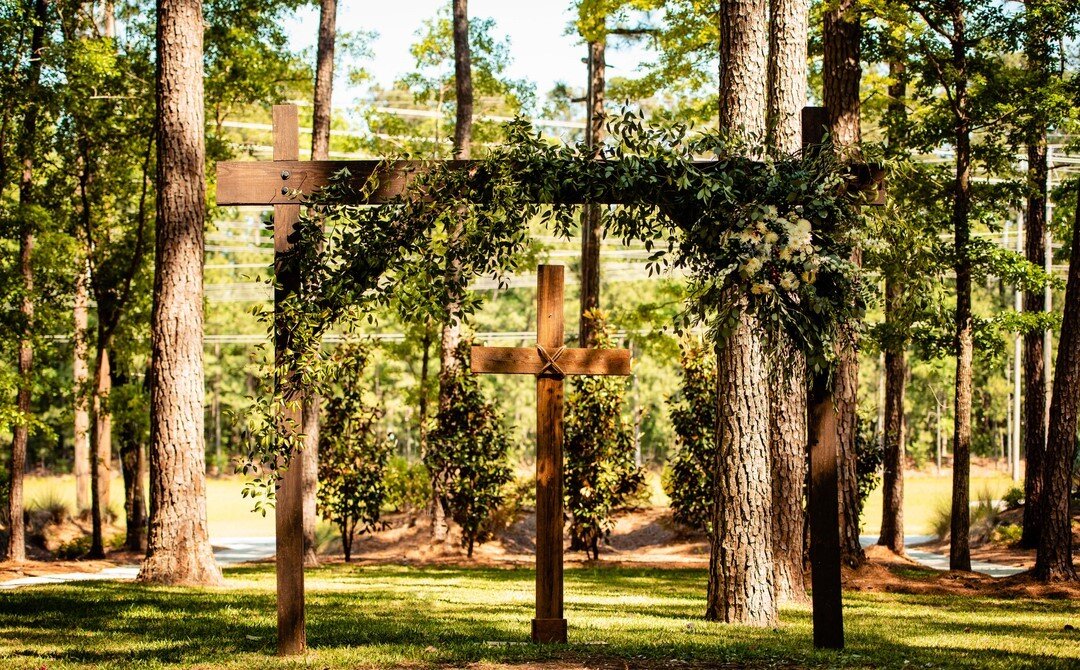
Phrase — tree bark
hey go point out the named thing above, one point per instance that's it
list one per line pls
(322, 112)
(101, 443)
(741, 581)
(16, 549)
(592, 232)
(1034, 424)
(959, 550)
(133, 467)
(178, 545)
(462, 81)
(896, 367)
(81, 377)
(786, 91)
(892, 518)
(1054, 557)
(842, 74)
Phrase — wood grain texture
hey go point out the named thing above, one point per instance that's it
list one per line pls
(828, 612)
(288, 513)
(527, 361)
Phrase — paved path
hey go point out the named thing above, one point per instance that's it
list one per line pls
(940, 561)
(227, 551)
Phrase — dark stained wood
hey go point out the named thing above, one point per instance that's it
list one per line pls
(278, 182)
(288, 513)
(549, 626)
(823, 501)
(527, 361)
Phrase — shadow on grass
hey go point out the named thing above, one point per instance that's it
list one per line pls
(389, 615)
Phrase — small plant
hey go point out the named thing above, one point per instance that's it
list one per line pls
(57, 509)
(941, 521)
(1008, 533)
(688, 478)
(1013, 498)
(408, 486)
(353, 453)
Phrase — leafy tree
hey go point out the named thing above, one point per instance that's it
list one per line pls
(690, 481)
(469, 449)
(600, 471)
(353, 452)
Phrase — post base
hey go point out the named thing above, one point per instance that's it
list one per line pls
(549, 631)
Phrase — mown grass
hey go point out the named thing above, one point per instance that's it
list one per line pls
(406, 616)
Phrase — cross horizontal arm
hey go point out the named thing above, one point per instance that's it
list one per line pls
(284, 182)
(528, 361)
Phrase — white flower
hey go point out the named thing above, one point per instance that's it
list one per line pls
(763, 288)
(771, 237)
(788, 281)
(752, 266)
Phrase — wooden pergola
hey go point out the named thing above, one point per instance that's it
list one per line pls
(285, 181)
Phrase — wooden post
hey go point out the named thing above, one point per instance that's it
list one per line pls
(549, 624)
(823, 497)
(288, 513)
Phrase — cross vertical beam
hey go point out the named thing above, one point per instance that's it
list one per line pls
(549, 624)
(288, 512)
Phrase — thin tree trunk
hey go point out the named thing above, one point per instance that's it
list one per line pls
(81, 378)
(16, 549)
(462, 81)
(178, 545)
(1054, 557)
(786, 90)
(741, 581)
(592, 231)
(959, 550)
(842, 76)
(101, 443)
(133, 467)
(322, 111)
(1034, 424)
(896, 369)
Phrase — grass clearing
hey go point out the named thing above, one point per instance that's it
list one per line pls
(377, 616)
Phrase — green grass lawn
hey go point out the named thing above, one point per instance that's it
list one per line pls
(925, 494)
(402, 616)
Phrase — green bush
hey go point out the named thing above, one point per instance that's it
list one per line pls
(600, 472)
(51, 503)
(1013, 498)
(469, 446)
(353, 453)
(688, 478)
(869, 453)
(408, 486)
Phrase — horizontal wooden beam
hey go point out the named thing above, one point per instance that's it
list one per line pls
(285, 182)
(527, 361)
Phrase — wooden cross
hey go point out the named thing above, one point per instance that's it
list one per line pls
(550, 361)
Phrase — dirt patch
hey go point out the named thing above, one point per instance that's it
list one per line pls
(9, 571)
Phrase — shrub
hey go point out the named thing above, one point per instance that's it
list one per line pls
(56, 508)
(688, 478)
(408, 486)
(1013, 498)
(869, 453)
(469, 447)
(600, 472)
(352, 453)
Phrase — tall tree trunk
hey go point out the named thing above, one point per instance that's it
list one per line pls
(178, 545)
(1034, 424)
(16, 549)
(451, 331)
(842, 75)
(786, 90)
(322, 111)
(81, 377)
(101, 444)
(592, 231)
(741, 581)
(959, 550)
(892, 518)
(1054, 557)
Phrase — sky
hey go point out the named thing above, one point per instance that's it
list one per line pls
(542, 51)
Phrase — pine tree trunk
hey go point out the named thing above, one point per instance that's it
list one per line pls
(101, 443)
(1054, 556)
(1034, 424)
(322, 112)
(81, 377)
(178, 545)
(896, 367)
(786, 91)
(133, 467)
(592, 232)
(959, 550)
(842, 75)
(741, 582)
(892, 518)
(16, 549)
